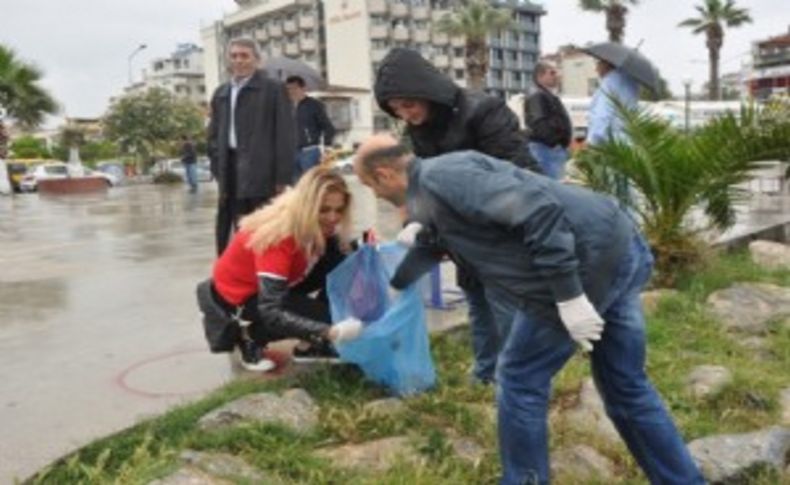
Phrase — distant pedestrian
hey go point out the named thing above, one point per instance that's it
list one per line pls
(550, 129)
(314, 129)
(251, 138)
(189, 160)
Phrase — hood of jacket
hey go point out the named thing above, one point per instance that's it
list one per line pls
(404, 73)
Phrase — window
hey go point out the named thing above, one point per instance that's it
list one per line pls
(459, 73)
(458, 52)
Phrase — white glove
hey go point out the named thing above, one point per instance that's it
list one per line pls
(582, 321)
(408, 234)
(347, 329)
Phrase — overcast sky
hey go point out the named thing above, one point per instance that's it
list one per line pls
(83, 45)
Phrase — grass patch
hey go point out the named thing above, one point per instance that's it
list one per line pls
(681, 335)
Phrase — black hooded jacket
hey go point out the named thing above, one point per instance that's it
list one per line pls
(458, 119)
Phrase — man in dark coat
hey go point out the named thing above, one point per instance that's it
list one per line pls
(314, 129)
(574, 263)
(548, 122)
(441, 117)
(251, 138)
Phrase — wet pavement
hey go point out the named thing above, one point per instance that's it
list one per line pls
(98, 324)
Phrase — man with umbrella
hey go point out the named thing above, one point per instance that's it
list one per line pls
(251, 138)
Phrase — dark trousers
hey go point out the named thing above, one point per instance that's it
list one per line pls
(231, 208)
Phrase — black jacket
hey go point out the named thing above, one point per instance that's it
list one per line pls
(312, 123)
(547, 119)
(265, 137)
(459, 119)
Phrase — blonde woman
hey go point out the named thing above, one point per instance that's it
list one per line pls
(263, 280)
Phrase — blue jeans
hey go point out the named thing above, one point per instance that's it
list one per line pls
(551, 160)
(306, 158)
(190, 170)
(538, 349)
(490, 319)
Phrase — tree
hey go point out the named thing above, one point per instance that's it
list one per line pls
(675, 173)
(615, 11)
(145, 124)
(713, 16)
(475, 20)
(29, 147)
(21, 97)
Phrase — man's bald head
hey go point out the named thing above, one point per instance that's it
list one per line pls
(380, 150)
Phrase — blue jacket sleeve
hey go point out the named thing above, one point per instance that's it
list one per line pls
(520, 202)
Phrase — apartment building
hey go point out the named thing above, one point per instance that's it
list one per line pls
(180, 73)
(347, 39)
(771, 67)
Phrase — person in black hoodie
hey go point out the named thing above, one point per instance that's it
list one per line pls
(548, 122)
(441, 117)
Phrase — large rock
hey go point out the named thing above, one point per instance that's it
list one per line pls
(708, 380)
(728, 459)
(784, 402)
(377, 456)
(590, 414)
(294, 409)
(748, 307)
(770, 255)
(581, 464)
(213, 469)
(468, 450)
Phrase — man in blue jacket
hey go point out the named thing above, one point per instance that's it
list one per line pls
(575, 262)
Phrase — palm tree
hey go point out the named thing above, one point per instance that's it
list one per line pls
(713, 15)
(615, 10)
(21, 98)
(475, 20)
(677, 175)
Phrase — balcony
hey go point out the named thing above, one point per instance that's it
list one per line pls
(379, 31)
(439, 38)
(457, 41)
(399, 10)
(420, 13)
(377, 7)
(307, 44)
(275, 30)
(261, 35)
(441, 61)
(459, 63)
(307, 22)
(275, 51)
(291, 49)
(290, 27)
(437, 15)
(421, 35)
(401, 33)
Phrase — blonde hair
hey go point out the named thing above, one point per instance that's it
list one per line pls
(295, 213)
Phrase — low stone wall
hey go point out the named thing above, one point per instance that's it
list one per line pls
(81, 185)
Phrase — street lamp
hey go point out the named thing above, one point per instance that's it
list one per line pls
(131, 56)
(687, 86)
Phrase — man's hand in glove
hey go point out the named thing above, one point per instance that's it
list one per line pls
(347, 329)
(408, 234)
(582, 321)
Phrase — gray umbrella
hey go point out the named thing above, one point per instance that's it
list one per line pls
(628, 60)
(283, 67)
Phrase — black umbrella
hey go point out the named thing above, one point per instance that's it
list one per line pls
(283, 67)
(628, 60)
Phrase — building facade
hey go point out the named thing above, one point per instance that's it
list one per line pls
(346, 40)
(181, 73)
(770, 67)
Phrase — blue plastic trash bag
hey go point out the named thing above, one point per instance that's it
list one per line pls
(393, 350)
(367, 297)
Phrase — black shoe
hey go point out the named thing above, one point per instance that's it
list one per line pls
(252, 357)
(316, 354)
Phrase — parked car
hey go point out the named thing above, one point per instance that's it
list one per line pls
(174, 165)
(57, 170)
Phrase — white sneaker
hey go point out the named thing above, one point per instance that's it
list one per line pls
(263, 365)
